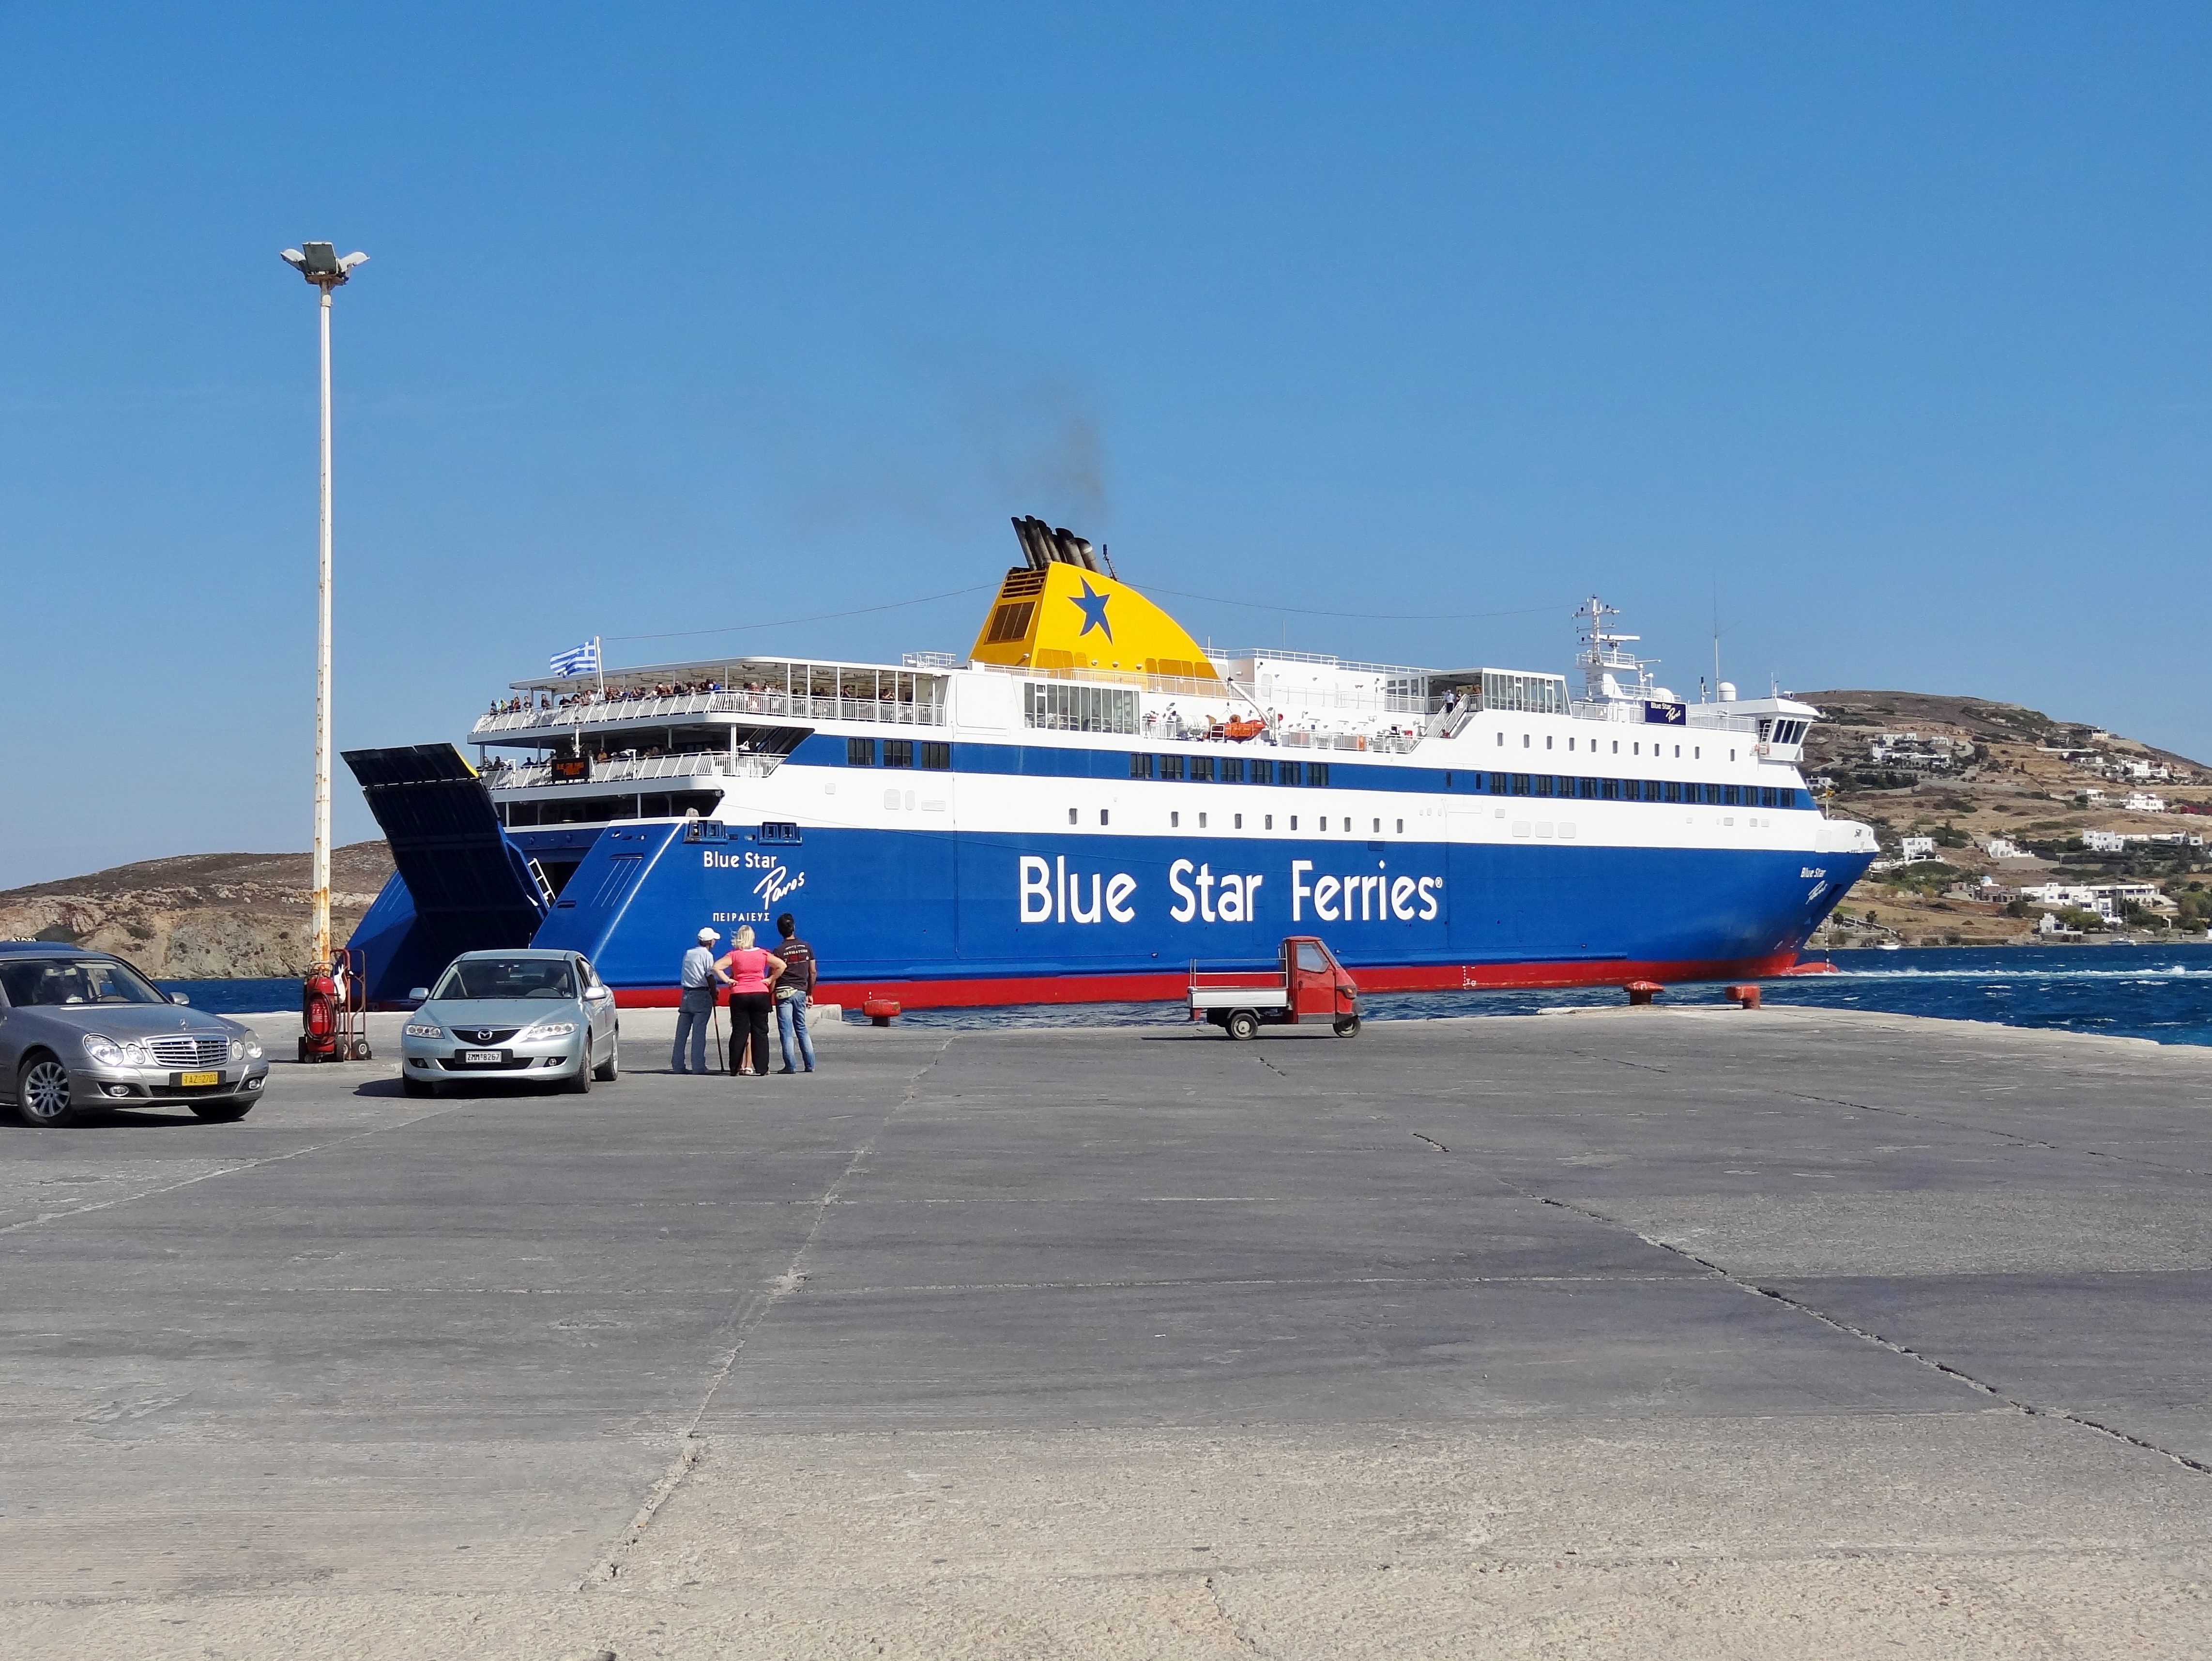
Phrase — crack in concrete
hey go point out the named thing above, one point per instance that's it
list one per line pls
(1851, 1329)
(45, 1217)
(751, 1310)
(2007, 1137)
(1221, 1609)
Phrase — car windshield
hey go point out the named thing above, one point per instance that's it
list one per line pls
(478, 979)
(34, 982)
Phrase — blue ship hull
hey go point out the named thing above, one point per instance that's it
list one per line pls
(956, 917)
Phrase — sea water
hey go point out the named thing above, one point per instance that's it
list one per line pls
(2162, 993)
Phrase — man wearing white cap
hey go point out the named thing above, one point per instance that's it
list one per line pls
(696, 1006)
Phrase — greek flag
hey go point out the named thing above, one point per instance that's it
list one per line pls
(578, 659)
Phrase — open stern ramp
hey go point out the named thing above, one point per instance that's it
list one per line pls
(465, 887)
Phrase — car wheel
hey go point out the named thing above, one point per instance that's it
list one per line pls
(1348, 1026)
(221, 1112)
(582, 1084)
(43, 1096)
(611, 1069)
(1242, 1024)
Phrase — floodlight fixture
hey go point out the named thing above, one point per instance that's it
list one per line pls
(318, 261)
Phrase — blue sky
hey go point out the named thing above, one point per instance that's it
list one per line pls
(1885, 327)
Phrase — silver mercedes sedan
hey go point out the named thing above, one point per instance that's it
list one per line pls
(83, 1032)
(531, 1017)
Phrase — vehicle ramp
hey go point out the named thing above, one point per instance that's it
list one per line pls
(460, 885)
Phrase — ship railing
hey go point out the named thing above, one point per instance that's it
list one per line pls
(1707, 717)
(1387, 744)
(792, 705)
(617, 768)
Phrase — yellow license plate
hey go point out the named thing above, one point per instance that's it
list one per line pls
(187, 1080)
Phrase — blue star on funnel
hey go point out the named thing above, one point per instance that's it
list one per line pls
(1093, 607)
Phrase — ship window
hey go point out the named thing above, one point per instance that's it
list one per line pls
(859, 752)
(1230, 769)
(1174, 821)
(1201, 821)
(1101, 816)
(1732, 795)
(898, 752)
(1171, 767)
(937, 756)
(1240, 822)
(1263, 772)
(1140, 767)
(1401, 827)
(1673, 791)
(1060, 708)
(1290, 772)
(778, 831)
(1501, 737)
(1294, 821)
(1525, 740)
(1547, 740)
(1616, 746)
(1271, 822)
(1202, 769)
(1317, 773)
(1448, 782)
(1589, 791)
(1521, 784)
(1543, 783)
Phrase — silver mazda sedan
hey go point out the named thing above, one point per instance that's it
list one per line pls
(531, 1017)
(82, 1032)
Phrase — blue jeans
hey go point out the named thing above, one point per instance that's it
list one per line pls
(791, 1013)
(690, 1024)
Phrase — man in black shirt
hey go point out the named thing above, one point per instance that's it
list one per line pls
(794, 989)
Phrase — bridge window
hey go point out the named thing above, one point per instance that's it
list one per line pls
(778, 831)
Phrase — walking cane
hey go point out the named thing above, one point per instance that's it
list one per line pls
(719, 1061)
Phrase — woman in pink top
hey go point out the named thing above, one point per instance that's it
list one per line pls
(750, 969)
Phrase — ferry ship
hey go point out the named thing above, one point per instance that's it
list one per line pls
(1088, 802)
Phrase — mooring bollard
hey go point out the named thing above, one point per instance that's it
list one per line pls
(1747, 996)
(880, 1011)
(1642, 992)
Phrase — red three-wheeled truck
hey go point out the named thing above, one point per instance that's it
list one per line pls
(1310, 985)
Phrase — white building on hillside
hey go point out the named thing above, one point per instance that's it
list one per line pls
(1997, 848)
(2105, 841)
(1912, 848)
(2142, 802)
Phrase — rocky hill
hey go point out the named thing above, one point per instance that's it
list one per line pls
(2006, 792)
(201, 915)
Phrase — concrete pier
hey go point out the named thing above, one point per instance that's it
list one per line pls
(1633, 1333)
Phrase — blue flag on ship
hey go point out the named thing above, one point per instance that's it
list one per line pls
(578, 659)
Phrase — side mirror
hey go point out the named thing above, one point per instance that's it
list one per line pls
(419, 994)
(597, 994)
(178, 997)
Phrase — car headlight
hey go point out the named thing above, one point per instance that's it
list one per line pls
(108, 1053)
(254, 1047)
(423, 1030)
(238, 1050)
(544, 1031)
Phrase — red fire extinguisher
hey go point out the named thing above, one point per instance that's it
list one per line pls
(318, 997)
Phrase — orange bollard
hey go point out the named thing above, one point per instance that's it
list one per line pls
(881, 1011)
(1642, 992)
(1747, 996)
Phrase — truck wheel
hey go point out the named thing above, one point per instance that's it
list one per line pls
(1242, 1024)
(1348, 1026)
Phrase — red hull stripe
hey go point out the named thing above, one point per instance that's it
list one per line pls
(1170, 987)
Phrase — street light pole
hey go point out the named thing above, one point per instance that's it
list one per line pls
(319, 264)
